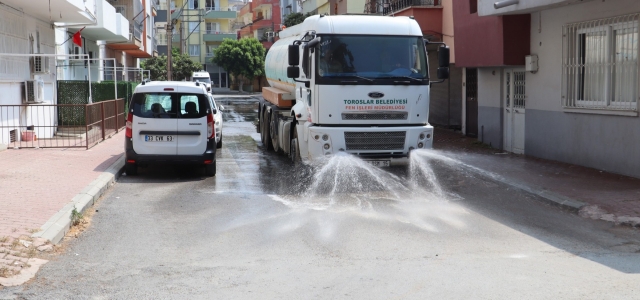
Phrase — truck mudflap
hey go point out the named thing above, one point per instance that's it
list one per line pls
(391, 144)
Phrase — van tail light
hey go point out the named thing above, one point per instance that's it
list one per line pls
(129, 132)
(210, 127)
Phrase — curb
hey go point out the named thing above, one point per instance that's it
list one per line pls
(58, 225)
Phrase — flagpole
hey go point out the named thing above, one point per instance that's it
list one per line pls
(71, 37)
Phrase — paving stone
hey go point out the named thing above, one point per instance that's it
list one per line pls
(45, 248)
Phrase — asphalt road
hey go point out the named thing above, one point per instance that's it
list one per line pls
(263, 228)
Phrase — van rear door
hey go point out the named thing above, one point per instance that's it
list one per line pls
(192, 123)
(155, 123)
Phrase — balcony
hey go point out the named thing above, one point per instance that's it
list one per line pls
(521, 7)
(63, 11)
(211, 36)
(110, 27)
(220, 13)
(395, 6)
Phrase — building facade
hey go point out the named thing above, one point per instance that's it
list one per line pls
(260, 19)
(435, 18)
(556, 79)
(200, 27)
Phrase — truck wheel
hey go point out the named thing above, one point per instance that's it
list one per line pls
(273, 130)
(131, 169)
(210, 169)
(294, 150)
(264, 130)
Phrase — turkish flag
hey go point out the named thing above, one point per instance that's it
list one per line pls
(77, 39)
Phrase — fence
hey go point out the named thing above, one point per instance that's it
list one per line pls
(57, 126)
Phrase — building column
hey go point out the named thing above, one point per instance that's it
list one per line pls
(124, 66)
(102, 54)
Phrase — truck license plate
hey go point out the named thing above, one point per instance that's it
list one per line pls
(378, 163)
(158, 138)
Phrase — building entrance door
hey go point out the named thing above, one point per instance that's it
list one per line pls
(471, 104)
(514, 115)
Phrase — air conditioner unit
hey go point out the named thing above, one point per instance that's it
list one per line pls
(33, 91)
(40, 64)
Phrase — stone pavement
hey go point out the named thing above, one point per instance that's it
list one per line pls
(39, 188)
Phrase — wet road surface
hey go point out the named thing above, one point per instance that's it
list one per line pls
(263, 228)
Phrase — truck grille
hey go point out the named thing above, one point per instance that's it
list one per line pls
(376, 116)
(392, 140)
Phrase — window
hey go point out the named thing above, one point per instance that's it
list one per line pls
(210, 50)
(600, 64)
(194, 50)
(210, 5)
(473, 6)
(213, 28)
(193, 4)
(193, 27)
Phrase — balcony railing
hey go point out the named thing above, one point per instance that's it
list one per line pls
(136, 30)
(398, 5)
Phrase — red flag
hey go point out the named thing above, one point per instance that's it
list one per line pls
(77, 39)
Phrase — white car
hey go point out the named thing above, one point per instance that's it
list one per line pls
(217, 117)
(170, 122)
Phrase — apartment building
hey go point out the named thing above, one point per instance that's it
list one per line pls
(200, 27)
(556, 79)
(260, 19)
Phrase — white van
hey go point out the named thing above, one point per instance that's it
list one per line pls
(202, 76)
(170, 122)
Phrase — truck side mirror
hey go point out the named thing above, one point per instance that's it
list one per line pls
(294, 55)
(443, 73)
(293, 72)
(443, 57)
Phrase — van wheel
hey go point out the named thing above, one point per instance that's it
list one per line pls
(210, 169)
(219, 144)
(131, 169)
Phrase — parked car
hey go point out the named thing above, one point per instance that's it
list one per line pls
(217, 117)
(170, 122)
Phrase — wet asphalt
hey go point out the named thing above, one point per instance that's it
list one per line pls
(264, 228)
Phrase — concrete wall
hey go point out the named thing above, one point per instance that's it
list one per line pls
(605, 142)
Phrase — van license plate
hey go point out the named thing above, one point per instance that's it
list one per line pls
(378, 163)
(158, 138)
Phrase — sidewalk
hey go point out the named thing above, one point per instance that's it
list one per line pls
(40, 187)
(589, 192)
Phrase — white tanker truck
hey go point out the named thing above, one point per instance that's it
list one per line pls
(358, 84)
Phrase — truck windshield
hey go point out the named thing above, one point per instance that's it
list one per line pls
(202, 79)
(371, 56)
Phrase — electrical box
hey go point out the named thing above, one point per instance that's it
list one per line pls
(531, 63)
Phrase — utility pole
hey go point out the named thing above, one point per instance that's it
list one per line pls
(169, 40)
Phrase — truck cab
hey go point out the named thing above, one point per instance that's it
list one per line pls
(357, 84)
(202, 77)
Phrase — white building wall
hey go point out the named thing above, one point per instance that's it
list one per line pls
(490, 106)
(602, 141)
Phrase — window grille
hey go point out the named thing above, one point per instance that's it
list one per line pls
(600, 64)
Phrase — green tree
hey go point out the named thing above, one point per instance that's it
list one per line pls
(244, 58)
(182, 66)
(295, 19)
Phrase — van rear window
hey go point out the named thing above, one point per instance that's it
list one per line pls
(169, 105)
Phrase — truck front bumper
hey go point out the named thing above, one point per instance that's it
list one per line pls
(391, 144)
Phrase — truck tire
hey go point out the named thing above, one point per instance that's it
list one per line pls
(294, 150)
(210, 169)
(273, 130)
(264, 130)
